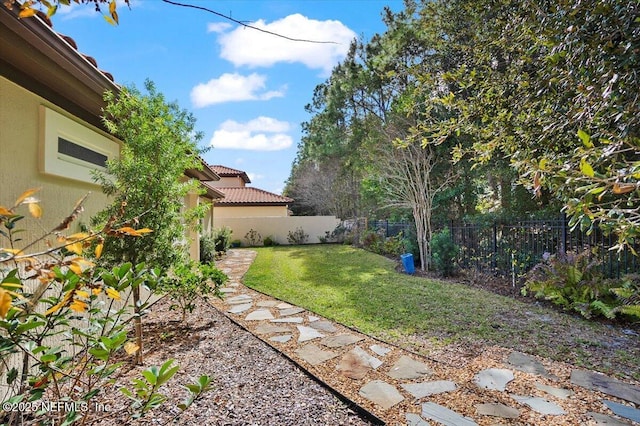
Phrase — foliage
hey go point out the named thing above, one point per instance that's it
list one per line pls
(270, 241)
(159, 145)
(376, 242)
(575, 282)
(207, 248)
(189, 281)
(28, 10)
(444, 252)
(297, 237)
(253, 238)
(222, 239)
(63, 318)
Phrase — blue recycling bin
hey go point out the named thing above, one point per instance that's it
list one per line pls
(407, 262)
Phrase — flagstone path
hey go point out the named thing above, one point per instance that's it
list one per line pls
(499, 386)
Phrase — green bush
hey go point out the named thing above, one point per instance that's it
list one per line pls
(270, 241)
(207, 249)
(576, 282)
(222, 239)
(297, 237)
(444, 252)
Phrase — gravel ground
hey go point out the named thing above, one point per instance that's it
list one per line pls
(253, 384)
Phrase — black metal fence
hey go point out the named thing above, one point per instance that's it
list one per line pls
(512, 248)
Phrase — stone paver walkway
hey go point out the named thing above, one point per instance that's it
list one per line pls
(400, 387)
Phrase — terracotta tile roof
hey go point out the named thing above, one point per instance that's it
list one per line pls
(224, 171)
(248, 196)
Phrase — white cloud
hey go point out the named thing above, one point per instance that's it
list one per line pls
(232, 88)
(244, 46)
(260, 134)
(254, 176)
(218, 27)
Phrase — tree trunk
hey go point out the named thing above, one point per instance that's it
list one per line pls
(137, 323)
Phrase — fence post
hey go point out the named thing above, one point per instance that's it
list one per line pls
(494, 261)
(563, 244)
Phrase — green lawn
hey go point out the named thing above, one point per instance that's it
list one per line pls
(364, 291)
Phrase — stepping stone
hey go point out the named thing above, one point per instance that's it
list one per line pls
(227, 290)
(379, 350)
(259, 315)
(308, 333)
(268, 329)
(539, 405)
(282, 339)
(267, 303)
(498, 410)
(606, 384)
(623, 410)
(243, 298)
(294, 320)
(407, 368)
(236, 309)
(445, 416)
(493, 379)
(420, 390)
(313, 319)
(283, 305)
(340, 340)
(523, 362)
(356, 363)
(557, 392)
(290, 311)
(314, 355)
(415, 420)
(604, 420)
(324, 326)
(381, 393)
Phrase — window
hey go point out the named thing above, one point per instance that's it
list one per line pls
(70, 149)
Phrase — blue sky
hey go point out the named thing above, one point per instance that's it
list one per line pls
(247, 89)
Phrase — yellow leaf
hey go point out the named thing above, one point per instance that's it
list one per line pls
(586, 168)
(78, 236)
(28, 192)
(113, 293)
(35, 210)
(131, 348)
(78, 306)
(98, 251)
(623, 188)
(12, 251)
(82, 293)
(27, 13)
(5, 211)
(543, 164)
(5, 303)
(54, 308)
(75, 268)
(112, 11)
(75, 248)
(144, 231)
(96, 291)
(129, 231)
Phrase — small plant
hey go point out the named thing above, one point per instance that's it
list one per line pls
(297, 237)
(189, 281)
(444, 252)
(270, 241)
(207, 249)
(236, 243)
(253, 238)
(575, 282)
(222, 239)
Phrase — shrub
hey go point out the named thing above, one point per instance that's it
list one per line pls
(222, 239)
(189, 281)
(207, 249)
(297, 237)
(253, 238)
(444, 252)
(575, 282)
(270, 241)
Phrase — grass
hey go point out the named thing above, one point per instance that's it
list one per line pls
(364, 291)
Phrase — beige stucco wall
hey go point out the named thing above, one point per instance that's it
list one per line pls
(20, 129)
(221, 212)
(228, 182)
(279, 227)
